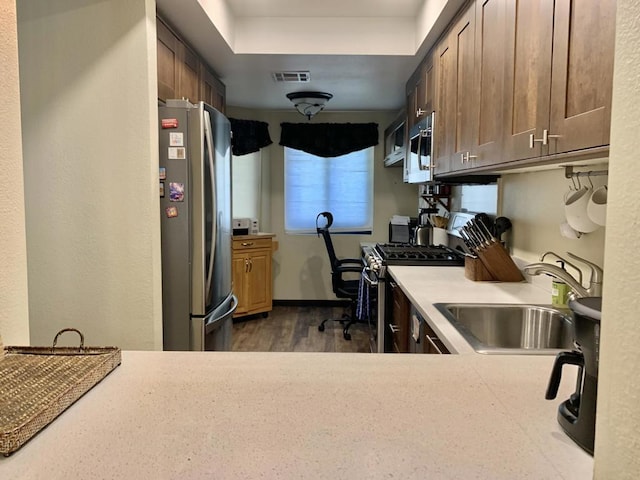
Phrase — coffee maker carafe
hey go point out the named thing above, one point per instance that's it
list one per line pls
(577, 414)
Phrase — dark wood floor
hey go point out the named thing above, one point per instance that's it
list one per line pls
(295, 329)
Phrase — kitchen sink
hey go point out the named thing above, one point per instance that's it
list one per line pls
(511, 329)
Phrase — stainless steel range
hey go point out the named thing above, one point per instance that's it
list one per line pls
(377, 258)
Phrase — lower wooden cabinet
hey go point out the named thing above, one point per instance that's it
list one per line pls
(398, 327)
(252, 279)
(431, 342)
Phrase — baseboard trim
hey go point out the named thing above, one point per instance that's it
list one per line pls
(311, 303)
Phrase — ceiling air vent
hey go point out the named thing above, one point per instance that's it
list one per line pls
(292, 77)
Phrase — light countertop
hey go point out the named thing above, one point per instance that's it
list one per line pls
(244, 415)
(425, 286)
(225, 415)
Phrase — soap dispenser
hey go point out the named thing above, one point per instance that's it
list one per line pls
(559, 290)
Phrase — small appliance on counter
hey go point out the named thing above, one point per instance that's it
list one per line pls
(577, 414)
(401, 229)
(245, 226)
(423, 235)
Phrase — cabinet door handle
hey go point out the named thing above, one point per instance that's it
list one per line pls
(246, 244)
(544, 140)
(546, 136)
(465, 157)
(394, 328)
(246, 264)
(250, 265)
(420, 112)
(433, 344)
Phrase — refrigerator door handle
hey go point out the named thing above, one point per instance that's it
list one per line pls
(213, 323)
(214, 223)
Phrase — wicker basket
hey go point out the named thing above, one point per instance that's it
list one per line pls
(38, 383)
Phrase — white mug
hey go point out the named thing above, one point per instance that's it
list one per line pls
(575, 210)
(597, 206)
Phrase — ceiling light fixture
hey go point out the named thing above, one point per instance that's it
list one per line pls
(309, 103)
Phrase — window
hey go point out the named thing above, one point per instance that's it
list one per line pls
(247, 175)
(341, 185)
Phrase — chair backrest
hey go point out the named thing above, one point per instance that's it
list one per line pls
(324, 231)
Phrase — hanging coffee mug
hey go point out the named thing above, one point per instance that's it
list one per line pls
(575, 209)
(597, 206)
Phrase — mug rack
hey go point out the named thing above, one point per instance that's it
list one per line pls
(569, 173)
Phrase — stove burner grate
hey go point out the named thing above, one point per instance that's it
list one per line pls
(406, 254)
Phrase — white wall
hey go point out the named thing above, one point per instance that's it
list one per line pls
(89, 120)
(14, 309)
(301, 266)
(618, 416)
(534, 203)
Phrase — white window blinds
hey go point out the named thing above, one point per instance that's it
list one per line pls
(341, 185)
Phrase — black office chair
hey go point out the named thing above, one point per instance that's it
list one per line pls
(342, 288)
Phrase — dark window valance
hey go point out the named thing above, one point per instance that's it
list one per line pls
(248, 136)
(329, 139)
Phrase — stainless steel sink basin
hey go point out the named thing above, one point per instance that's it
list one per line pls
(511, 329)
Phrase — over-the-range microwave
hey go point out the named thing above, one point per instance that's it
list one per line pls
(394, 147)
(419, 165)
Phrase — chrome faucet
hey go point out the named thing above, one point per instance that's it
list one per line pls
(578, 290)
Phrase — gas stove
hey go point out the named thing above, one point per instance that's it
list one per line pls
(407, 254)
(376, 259)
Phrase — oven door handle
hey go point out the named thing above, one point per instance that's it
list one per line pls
(367, 279)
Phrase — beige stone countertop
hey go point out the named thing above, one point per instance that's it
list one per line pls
(188, 415)
(425, 286)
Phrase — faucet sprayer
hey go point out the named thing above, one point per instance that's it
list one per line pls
(578, 290)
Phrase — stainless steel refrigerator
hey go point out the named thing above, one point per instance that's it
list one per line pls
(195, 208)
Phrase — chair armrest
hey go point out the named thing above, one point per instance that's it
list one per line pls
(345, 268)
(350, 260)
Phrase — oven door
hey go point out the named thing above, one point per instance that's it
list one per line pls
(419, 164)
(372, 284)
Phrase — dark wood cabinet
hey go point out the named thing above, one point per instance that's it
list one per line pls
(521, 81)
(489, 66)
(432, 344)
(182, 73)
(559, 73)
(168, 51)
(582, 74)
(213, 90)
(421, 91)
(189, 75)
(398, 326)
(456, 96)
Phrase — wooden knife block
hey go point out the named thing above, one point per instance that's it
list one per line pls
(493, 264)
(475, 270)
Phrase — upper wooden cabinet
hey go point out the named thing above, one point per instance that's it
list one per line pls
(421, 92)
(520, 80)
(559, 73)
(582, 74)
(213, 90)
(489, 65)
(456, 96)
(183, 74)
(168, 62)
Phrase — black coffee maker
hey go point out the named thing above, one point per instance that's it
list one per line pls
(577, 414)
